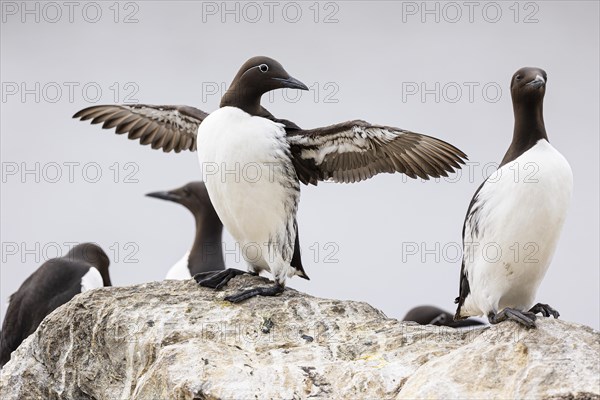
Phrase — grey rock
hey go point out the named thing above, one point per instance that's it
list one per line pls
(176, 340)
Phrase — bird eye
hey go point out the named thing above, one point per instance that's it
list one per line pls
(263, 67)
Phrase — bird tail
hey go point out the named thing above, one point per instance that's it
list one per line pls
(300, 272)
(457, 316)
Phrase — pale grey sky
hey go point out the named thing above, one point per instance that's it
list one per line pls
(441, 69)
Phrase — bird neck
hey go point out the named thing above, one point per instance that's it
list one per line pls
(105, 276)
(242, 97)
(528, 130)
(206, 253)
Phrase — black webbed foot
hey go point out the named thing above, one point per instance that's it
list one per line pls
(218, 279)
(272, 290)
(525, 318)
(545, 310)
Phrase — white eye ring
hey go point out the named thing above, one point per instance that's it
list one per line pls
(263, 67)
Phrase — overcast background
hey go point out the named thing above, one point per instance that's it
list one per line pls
(391, 242)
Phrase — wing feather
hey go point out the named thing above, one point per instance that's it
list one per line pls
(167, 127)
(356, 150)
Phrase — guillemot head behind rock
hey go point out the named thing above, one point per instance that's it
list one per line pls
(93, 254)
(431, 315)
(54, 283)
(256, 77)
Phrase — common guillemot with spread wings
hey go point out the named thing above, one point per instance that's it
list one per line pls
(519, 211)
(206, 253)
(260, 212)
(83, 268)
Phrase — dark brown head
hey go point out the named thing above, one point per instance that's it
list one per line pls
(528, 86)
(256, 77)
(93, 254)
(192, 196)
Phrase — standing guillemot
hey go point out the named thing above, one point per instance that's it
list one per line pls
(206, 253)
(53, 284)
(261, 213)
(520, 211)
(430, 315)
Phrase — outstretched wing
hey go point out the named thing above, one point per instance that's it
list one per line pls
(163, 127)
(356, 150)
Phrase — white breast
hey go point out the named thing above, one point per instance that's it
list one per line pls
(180, 270)
(510, 241)
(91, 280)
(251, 181)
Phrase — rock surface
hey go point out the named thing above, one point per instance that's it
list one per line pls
(175, 340)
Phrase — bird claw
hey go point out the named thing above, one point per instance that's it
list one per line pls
(217, 279)
(526, 318)
(545, 310)
(272, 290)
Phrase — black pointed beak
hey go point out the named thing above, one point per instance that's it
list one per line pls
(537, 82)
(291, 83)
(165, 196)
